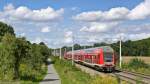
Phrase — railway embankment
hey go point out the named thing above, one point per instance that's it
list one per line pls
(122, 76)
(74, 75)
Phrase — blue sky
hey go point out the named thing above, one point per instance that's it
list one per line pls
(56, 21)
(83, 4)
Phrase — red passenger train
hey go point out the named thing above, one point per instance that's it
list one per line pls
(102, 58)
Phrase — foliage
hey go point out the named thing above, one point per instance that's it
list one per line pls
(19, 58)
(45, 51)
(134, 48)
(4, 28)
(7, 60)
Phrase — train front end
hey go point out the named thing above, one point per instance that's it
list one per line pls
(108, 59)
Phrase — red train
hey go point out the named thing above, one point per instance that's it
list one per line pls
(102, 58)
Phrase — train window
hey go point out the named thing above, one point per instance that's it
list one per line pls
(94, 56)
(108, 57)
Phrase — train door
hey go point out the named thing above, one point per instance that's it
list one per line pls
(88, 58)
(94, 59)
(97, 57)
(76, 57)
(84, 57)
(101, 57)
(80, 57)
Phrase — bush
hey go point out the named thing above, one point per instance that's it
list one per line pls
(137, 63)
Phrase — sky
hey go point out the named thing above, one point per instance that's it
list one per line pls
(61, 22)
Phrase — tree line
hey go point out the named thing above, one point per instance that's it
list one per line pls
(20, 59)
(129, 48)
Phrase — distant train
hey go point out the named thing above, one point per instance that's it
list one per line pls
(102, 58)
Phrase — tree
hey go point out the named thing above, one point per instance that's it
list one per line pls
(4, 28)
(7, 59)
(45, 52)
(77, 47)
(36, 57)
(99, 44)
(21, 51)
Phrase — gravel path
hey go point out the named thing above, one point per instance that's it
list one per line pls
(51, 77)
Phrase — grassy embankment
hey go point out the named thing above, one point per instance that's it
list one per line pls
(137, 65)
(71, 75)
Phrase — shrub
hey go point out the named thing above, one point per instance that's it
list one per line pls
(137, 63)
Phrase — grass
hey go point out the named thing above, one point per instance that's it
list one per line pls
(137, 65)
(71, 75)
(127, 59)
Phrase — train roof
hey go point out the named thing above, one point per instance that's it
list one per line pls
(91, 50)
(105, 49)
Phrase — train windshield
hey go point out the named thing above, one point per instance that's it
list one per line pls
(108, 57)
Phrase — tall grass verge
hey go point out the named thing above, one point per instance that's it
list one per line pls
(137, 65)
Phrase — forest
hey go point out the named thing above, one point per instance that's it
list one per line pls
(19, 58)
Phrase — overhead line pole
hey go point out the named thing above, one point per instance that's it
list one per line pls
(72, 50)
(65, 51)
(120, 54)
(54, 52)
(60, 53)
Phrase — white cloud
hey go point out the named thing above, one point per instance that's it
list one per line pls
(113, 14)
(98, 27)
(68, 37)
(138, 36)
(129, 36)
(37, 40)
(133, 32)
(24, 13)
(68, 34)
(45, 29)
(104, 21)
(141, 11)
(74, 8)
(27, 20)
(92, 39)
(9, 7)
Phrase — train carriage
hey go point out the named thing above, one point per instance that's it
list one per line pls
(101, 58)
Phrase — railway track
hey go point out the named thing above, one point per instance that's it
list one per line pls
(133, 77)
(130, 77)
